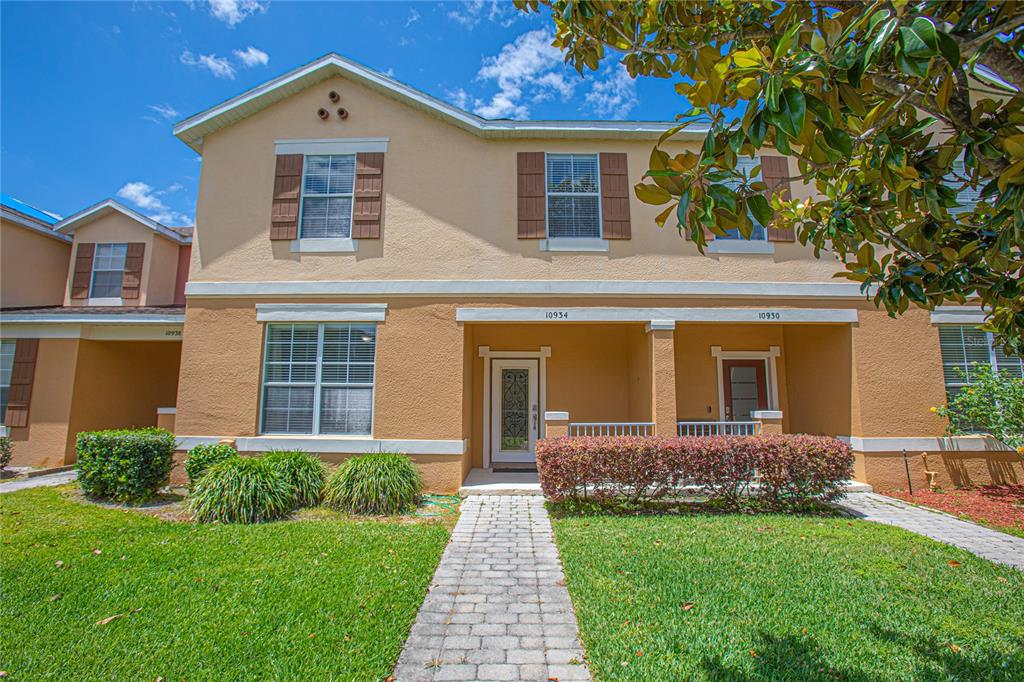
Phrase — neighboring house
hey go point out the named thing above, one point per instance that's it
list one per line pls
(90, 337)
(378, 270)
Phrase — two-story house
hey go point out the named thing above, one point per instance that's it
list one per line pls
(377, 270)
(90, 330)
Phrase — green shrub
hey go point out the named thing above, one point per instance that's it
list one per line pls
(202, 457)
(124, 465)
(305, 472)
(992, 403)
(374, 484)
(6, 451)
(242, 490)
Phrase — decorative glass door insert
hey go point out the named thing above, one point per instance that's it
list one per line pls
(514, 410)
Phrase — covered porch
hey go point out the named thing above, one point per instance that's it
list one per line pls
(536, 373)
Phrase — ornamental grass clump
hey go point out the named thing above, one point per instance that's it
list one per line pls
(305, 472)
(381, 483)
(202, 457)
(242, 490)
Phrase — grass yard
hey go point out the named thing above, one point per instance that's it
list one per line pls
(325, 599)
(770, 597)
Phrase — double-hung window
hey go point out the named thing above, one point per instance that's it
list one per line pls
(964, 348)
(328, 184)
(318, 378)
(108, 270)
(573, 196)
(6, 370)
(746, 166)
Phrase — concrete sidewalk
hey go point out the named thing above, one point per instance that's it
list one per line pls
(59, 478)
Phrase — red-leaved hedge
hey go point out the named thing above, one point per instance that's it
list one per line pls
(778, 469)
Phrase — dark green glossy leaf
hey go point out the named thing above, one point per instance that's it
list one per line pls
(761, 209)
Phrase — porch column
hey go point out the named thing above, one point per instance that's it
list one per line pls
(661, 343)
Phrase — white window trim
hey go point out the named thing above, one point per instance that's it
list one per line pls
(574, 244)
(104, 301)
(3, 413)
(331, 146)
(547, 194)
(321, 312)
(317, 386)
(487, 354)
(302, 204)
(770, 358)
(326, 244)
(92, 275)
(741, 246)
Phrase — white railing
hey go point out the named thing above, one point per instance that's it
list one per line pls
(611, 428)
(712, 428)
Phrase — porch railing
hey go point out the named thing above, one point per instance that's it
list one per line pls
(716, 428)
(611, 428)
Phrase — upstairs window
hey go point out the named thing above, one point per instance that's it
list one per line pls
(968, 197)
(573, 196)
(328, 184)
(108, 270)
(6, 371)
(964, 348)
(745, 166)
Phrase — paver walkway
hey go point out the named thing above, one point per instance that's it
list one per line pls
(497, 608)
(985, 542)
(59, 478)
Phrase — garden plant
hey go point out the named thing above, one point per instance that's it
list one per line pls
(378, 483)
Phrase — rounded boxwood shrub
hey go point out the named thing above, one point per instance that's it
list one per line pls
(6, 451)
(124, 465)
(381, 483)
(242, 490)
(202, 457)
(305, 472)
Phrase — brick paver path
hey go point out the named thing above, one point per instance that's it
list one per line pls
(497, 608)
(985, 542)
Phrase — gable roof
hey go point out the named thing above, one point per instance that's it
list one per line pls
(108, 206)
(192, 129)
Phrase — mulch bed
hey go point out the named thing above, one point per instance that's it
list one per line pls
(992, 505)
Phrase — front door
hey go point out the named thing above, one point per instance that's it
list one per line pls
(514, 410)
(744, 388)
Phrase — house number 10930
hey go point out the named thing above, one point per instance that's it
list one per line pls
(768, 315)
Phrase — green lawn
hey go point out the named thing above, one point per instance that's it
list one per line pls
(294, 600)
(774, 597)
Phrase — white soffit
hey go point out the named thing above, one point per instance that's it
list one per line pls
(321, 312)
(662, 317)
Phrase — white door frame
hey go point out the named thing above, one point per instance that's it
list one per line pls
(770, 373)
(529, 454)
(487, 354)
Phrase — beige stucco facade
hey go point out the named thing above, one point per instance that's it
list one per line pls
(33, 266)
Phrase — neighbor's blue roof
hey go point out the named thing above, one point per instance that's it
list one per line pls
(22, 207)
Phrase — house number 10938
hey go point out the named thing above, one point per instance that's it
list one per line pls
(768, 315)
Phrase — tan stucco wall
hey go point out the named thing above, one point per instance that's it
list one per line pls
(33, 267)
(44, 441)
(887, 471)
(159, 263)
(819, 378)
(450, 209)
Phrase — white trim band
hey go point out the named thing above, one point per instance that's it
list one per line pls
(766, 414)
(570, 245)
(340, 145)
(957, 315)
(741, 246)
(659, 316)
(555, 416)
(325, 245)
(102, 318)
(491, 287)
(330, 444)
(931, 445)
(321, 312)
(167, 410)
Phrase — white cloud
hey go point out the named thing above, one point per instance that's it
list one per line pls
(459, 98)
(614, 94)
(233, 12)
(165, 111)
(144, 197)
(527, 68)
(218, 66)
(413, 17)
(472, 12)
(251, 56)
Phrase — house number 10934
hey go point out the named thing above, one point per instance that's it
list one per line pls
(556, 315)
(768, 315)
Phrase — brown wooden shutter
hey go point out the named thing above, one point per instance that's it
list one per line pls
(132, 282)
(531, 211)
(284, 211)
(20, 394)
(615, 197)
(81, 278)
(775, 174)
(369, 195)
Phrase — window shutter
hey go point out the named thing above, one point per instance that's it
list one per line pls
(20, 395)
(531, 211)
(369, 195)
(775, 174)
(82, 276)
(132, 281)
(284, 211)
(614, 197)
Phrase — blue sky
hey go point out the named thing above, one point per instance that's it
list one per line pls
(91, 90)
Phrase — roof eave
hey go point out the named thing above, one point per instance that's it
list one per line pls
(91, 213)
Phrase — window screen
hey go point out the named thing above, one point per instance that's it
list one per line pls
(328, 183)
(573, 196)
(746, 166)
(108, 270)
(318, 378)
(6, 369)
(964, 348)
